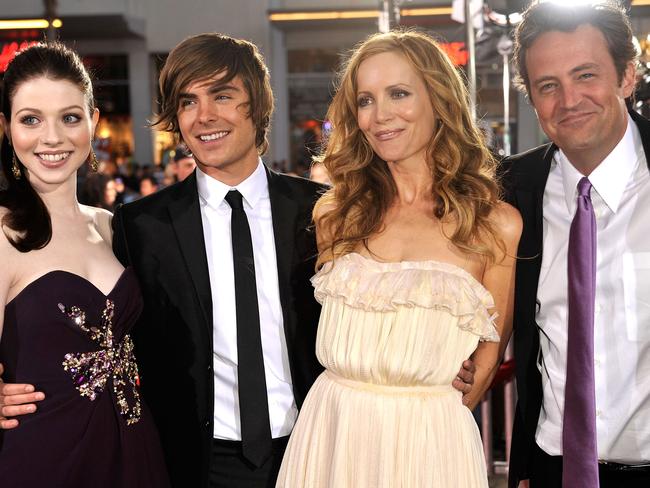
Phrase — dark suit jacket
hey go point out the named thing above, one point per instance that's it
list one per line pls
(524, 179)
(161, 237)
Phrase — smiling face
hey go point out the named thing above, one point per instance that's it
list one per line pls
(394, 111)
(50, 130)
(214, 122)
(579, 100)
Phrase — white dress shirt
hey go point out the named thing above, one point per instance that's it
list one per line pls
(621, 201)
(215, 214)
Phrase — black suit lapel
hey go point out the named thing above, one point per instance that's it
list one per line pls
(530, 197)
(284, 212)
(185, 215)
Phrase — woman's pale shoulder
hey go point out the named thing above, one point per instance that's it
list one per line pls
(101, 218)
(506, 220)
(323, 206)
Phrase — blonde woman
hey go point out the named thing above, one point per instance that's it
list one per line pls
(417, 268)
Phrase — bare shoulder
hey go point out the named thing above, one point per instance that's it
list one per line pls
(102, 219)
(324, 205)
(324, 231)
(507, 222)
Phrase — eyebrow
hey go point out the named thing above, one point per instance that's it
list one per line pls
(572, 71)
(583, 67)
(218, 87)
(36, 110)
(214, 88)
(390, 87)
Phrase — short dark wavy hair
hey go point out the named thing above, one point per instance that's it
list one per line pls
(609, 17)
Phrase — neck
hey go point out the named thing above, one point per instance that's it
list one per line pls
(62, 199)
(234, 174)
(413, 181)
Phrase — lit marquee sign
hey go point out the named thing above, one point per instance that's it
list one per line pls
(456, 52)
(9, 50)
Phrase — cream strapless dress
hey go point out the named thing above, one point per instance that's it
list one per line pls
(392, 337)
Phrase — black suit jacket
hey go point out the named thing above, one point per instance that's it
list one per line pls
(524, 179)
(161, 237)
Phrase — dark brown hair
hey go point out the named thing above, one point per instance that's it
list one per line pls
(609, 17)
(27, 215)
(202, 56)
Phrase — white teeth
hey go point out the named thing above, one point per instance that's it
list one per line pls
(53, 157)
(212, 137)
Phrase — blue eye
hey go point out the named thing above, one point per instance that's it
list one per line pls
(399, 93)
(29, 120)
(364, 101)
(71, 118)
(546, 87)
(186, 102)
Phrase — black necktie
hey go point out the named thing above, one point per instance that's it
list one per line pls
(253, 400)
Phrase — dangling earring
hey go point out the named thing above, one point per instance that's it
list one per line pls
(94, 164)
(15, 169)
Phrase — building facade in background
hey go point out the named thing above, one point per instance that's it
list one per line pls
(125, 42)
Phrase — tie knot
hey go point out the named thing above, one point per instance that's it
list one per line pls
(584, 187)
(234, 199)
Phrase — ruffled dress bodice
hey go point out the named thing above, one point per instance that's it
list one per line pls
(392, 337)
(404, 323)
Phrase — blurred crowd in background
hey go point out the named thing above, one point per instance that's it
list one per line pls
(120, 181)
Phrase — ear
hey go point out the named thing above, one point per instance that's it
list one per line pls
(628, 82)
(95, 119)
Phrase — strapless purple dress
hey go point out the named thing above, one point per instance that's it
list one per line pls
(69, 340)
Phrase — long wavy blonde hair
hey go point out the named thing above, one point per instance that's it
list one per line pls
(462, 168)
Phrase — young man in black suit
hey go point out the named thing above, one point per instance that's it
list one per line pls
(213, 318)
(583, 411)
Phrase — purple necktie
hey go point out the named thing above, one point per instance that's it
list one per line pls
(579, 448)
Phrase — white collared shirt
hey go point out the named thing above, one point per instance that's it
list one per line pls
(621, 201)
(215, 214)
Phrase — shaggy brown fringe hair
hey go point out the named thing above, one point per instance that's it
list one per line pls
(201, 56)
(363, 189)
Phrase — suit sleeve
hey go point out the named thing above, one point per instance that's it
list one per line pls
(120, 247)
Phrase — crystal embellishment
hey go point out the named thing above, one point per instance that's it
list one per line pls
(91, 370)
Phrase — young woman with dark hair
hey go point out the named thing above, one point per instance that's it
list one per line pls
(67, 302)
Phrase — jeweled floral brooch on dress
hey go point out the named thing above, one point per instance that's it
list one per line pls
(91, 370)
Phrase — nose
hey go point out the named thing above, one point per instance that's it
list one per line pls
(570, 97)
(206, 113)
(383, 110)
(52, 135)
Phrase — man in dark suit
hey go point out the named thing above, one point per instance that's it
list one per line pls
(193, 341)
(583, 411)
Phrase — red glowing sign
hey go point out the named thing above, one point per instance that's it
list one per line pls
(456, 52)
(9, 51)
